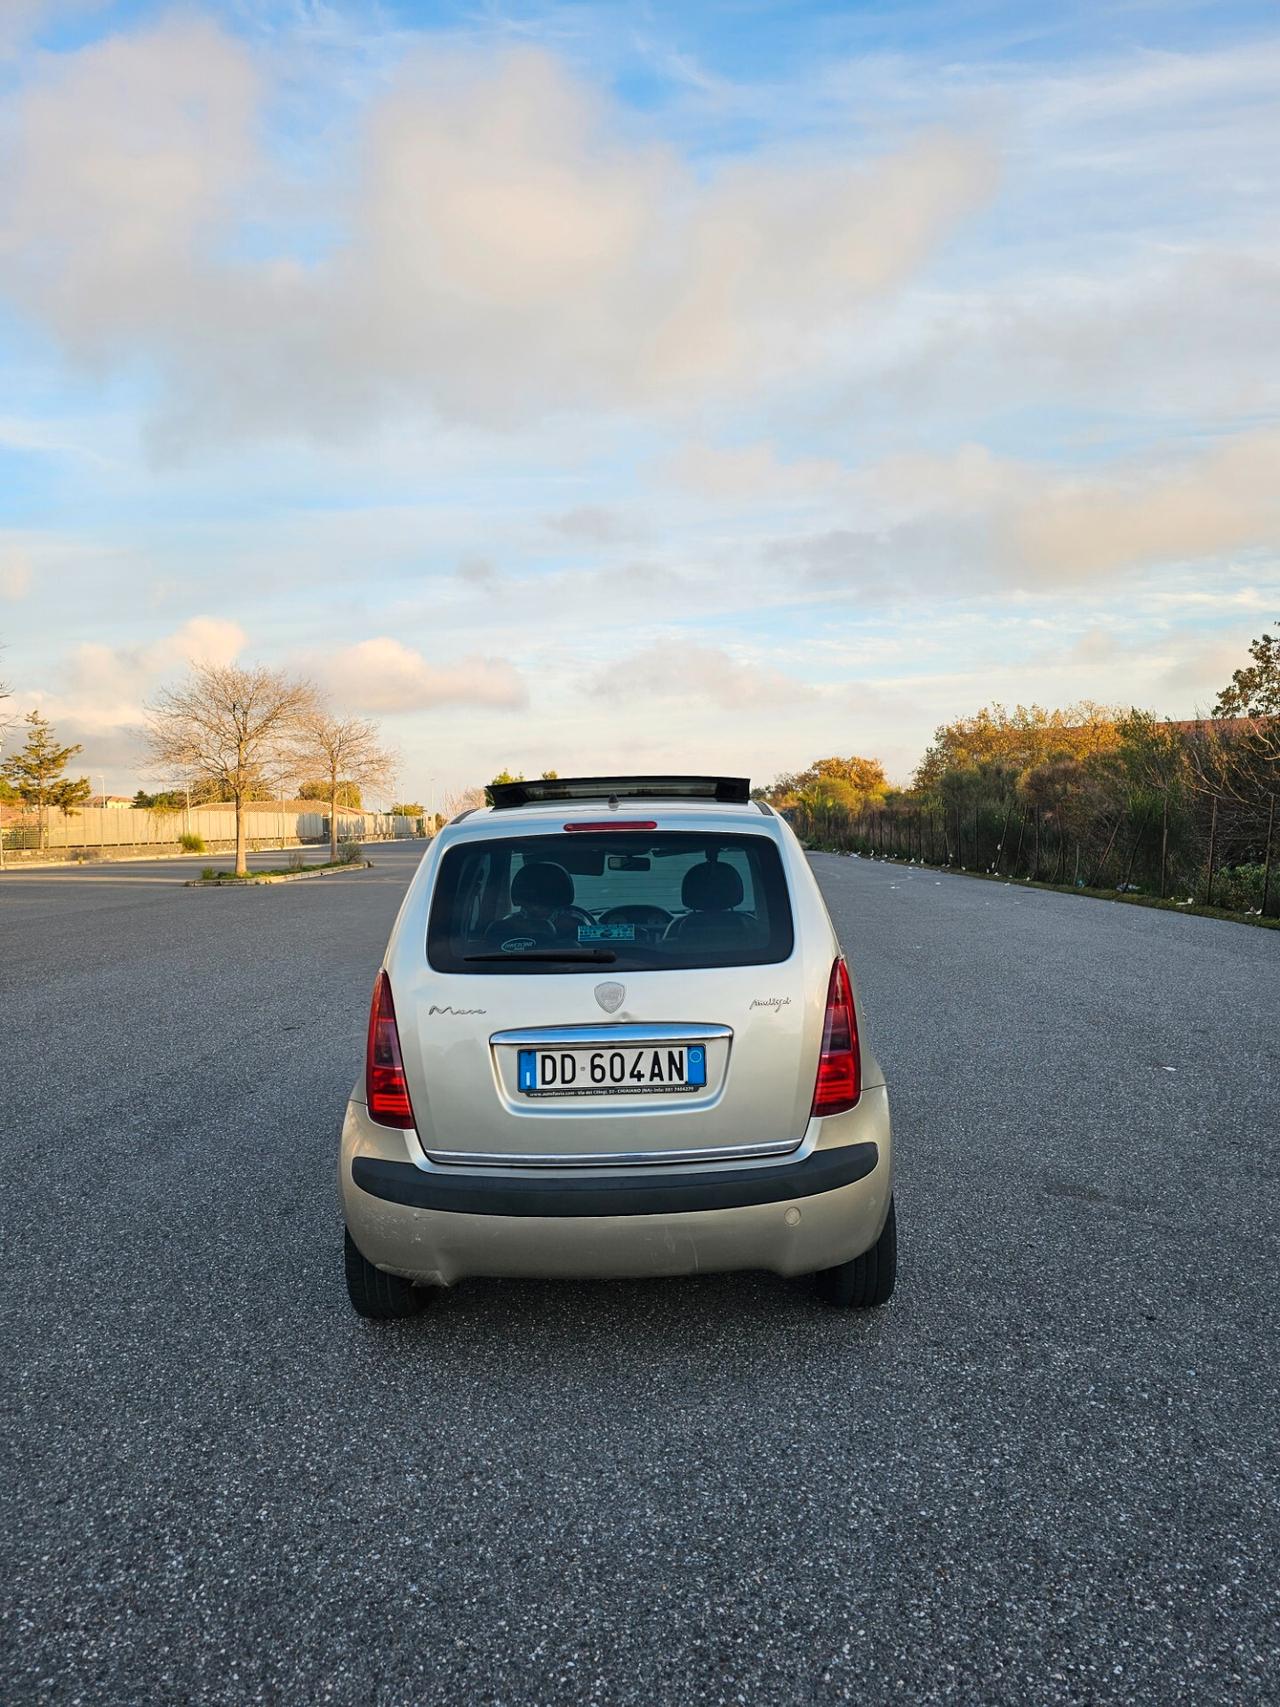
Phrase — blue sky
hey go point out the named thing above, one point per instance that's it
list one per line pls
(613, 386)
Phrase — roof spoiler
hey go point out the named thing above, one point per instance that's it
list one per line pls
(735, 790)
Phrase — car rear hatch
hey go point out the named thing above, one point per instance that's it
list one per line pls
(610, 995)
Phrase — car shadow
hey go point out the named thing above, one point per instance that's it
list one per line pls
(680, 1326)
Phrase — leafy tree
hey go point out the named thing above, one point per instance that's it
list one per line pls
(551, 776)
(851, 783)
(1254, 690)
(223, 726)
(1237, 758)
(36, 771)
(1028, 735)
(343, 750)
(167, 800)
(409, 809)
(502, 776)
(316, 788)
(200, 791)
(865, 775)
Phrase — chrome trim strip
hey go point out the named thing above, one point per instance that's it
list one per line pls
(629, 1032)
(611, 1158)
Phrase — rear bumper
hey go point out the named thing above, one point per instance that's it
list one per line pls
(438, 1224)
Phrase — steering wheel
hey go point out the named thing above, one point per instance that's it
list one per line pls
(642, 913)
(574, 915)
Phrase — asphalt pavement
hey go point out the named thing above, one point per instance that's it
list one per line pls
(1047, 1472)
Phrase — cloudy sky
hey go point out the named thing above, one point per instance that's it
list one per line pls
(622, 385)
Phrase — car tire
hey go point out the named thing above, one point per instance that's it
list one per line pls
(376, 1295)
(867, 1281)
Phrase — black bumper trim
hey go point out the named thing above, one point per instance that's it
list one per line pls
(629, 1194)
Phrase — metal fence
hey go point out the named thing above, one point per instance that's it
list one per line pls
(105, 828)
(1232, 864)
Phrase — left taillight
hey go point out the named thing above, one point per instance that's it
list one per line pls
(386, 1090)
(839, 1082)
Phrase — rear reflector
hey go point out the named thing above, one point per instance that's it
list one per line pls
(386, 1091)
(616, 824)
(839, 1081)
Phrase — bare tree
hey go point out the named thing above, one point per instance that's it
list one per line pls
(343, 749)
(223, 725)
(461, 800)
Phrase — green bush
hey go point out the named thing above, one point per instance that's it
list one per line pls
(209, 872)
(1239, 888)
(348, 852)
(189, 842)
(297, 859)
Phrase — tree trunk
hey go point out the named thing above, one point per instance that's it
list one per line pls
(1133, 851)
(333, 819)
(242, 864)
(1164, 843)
(1213, 844)
(1004, 837)
(1106, 854)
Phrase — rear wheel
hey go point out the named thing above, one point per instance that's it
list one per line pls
(867, 1280)
(379, 1296)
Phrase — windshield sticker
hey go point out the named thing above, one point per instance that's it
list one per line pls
(515, 944)
(606, 933)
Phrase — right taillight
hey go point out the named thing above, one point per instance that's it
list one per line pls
(386, 1090)
(839, 1067)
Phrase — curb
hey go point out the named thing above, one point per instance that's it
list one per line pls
(1150, 903)
(251, 882)
(16, 867)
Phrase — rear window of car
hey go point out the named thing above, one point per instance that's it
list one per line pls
(633, 900)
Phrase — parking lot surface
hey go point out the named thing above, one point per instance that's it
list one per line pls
(1047, 1472)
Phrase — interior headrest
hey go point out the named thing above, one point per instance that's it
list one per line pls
(711, 887)
(542, 885)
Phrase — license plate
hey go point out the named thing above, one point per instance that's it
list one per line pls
(639, 1069)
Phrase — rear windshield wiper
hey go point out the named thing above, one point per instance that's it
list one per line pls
(593, 956)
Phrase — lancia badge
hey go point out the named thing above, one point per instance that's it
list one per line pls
(611, 996)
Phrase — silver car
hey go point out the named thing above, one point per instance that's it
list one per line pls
(614, 1034)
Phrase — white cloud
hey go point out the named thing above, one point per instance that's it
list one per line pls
(202, 640)
(754, 471)
(507, 254)
(385, 675)
(22, 19)
(962, 524)
(1078, 528)
(121, 676)
(593, 524)
(15, 574)
(118, 170)
(97, 694)
(676, 669)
